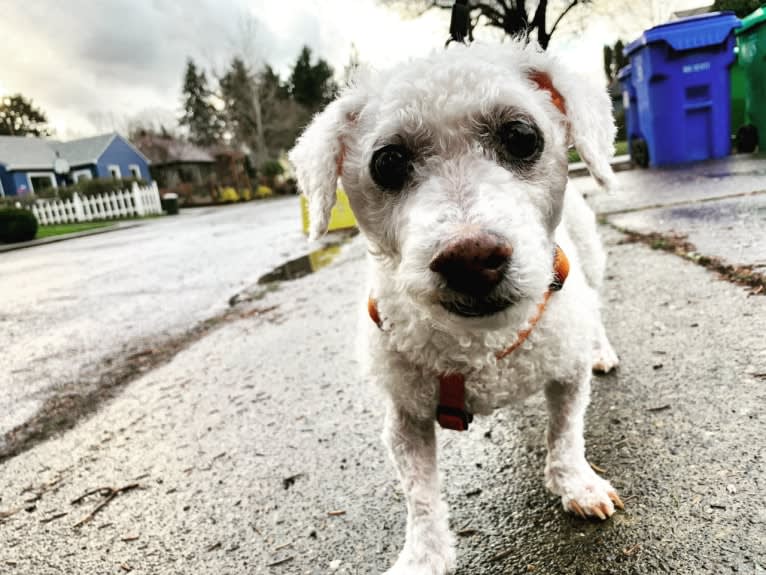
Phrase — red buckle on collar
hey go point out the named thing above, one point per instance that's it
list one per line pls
(451, 413)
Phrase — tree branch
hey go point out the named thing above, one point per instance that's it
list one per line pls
(495, 22)
(506, 7)
(564, 13)
(538, 22)
(489, 13)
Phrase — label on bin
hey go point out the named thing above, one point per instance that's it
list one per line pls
(700, 67)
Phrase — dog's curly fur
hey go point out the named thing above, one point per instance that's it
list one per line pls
(446, 109)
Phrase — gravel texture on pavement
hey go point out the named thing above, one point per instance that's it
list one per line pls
(256, 450)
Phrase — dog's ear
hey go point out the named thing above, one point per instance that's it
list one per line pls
(588, 110)
(318, 158)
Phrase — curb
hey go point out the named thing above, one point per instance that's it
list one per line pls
(618, 163)
(63, 237)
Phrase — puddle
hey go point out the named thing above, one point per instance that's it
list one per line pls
(308, 264)
(294, 269)
(727, 174)
(704, 213)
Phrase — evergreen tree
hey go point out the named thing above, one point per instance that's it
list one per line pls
(312, 86)
(614, 60)
(741, 8)
(199, 114)
(272, 85)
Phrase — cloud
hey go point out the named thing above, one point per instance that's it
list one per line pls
(93, 65)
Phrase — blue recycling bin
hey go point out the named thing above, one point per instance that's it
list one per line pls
(630, 106)
(680, 72)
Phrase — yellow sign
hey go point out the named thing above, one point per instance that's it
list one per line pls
(342, 217)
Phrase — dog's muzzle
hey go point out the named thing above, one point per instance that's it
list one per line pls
(472, 267)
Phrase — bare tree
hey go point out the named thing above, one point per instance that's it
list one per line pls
(351, 67)
(625, 19)
(20, 117)
(259, 110)
(240, 86)
(512, 17)
(283, 117)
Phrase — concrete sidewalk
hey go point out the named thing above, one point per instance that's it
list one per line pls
(256, 450)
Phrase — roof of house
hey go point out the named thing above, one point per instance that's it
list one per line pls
(227, 151)
(163, 150)
(30, 153)
(24, 153)
(84, 150)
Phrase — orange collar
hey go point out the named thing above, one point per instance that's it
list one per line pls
(560, 273)
(451, 412)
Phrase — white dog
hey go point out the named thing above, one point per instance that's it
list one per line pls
(456, 169)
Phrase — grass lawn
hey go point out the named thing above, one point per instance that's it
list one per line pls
(58, 229)
(620, 148)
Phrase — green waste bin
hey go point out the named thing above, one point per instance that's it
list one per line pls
(737, 74)
(170, 204)
(751, 41)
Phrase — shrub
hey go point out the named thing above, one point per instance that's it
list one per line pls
(246, 194)
(263, 192)
(97, 186)
(17, 225)
(271, 169)
(619, 121)
(26, 200)
(228, 194)
(287, 187)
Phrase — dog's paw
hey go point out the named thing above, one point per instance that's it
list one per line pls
(604, 359)
(442, 562)
(586, 494)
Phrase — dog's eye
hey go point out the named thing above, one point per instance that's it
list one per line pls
(520, 139)
(390, 167)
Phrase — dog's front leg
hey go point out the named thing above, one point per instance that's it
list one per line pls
(567, 473)
(429, 548)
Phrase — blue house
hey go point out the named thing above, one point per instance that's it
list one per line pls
(29, 165)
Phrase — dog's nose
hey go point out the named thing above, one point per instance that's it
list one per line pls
(473, 264)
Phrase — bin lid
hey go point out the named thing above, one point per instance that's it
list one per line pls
(689, 33)
(754, 19)
(170, 196)
(624, 72)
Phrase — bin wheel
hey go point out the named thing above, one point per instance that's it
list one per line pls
(747, 139)
(639, 151)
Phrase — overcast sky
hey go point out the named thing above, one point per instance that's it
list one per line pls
(94, 65)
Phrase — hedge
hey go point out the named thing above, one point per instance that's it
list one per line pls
(17, 225)
(89, 188)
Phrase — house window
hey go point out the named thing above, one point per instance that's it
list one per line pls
(78, 175)
(115, 172)
(41, 181)
(189, 174)
(135, 171)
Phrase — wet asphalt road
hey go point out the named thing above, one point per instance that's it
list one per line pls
(68, 306)
(256, 449)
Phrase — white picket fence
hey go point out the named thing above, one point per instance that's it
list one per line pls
(138, 201)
